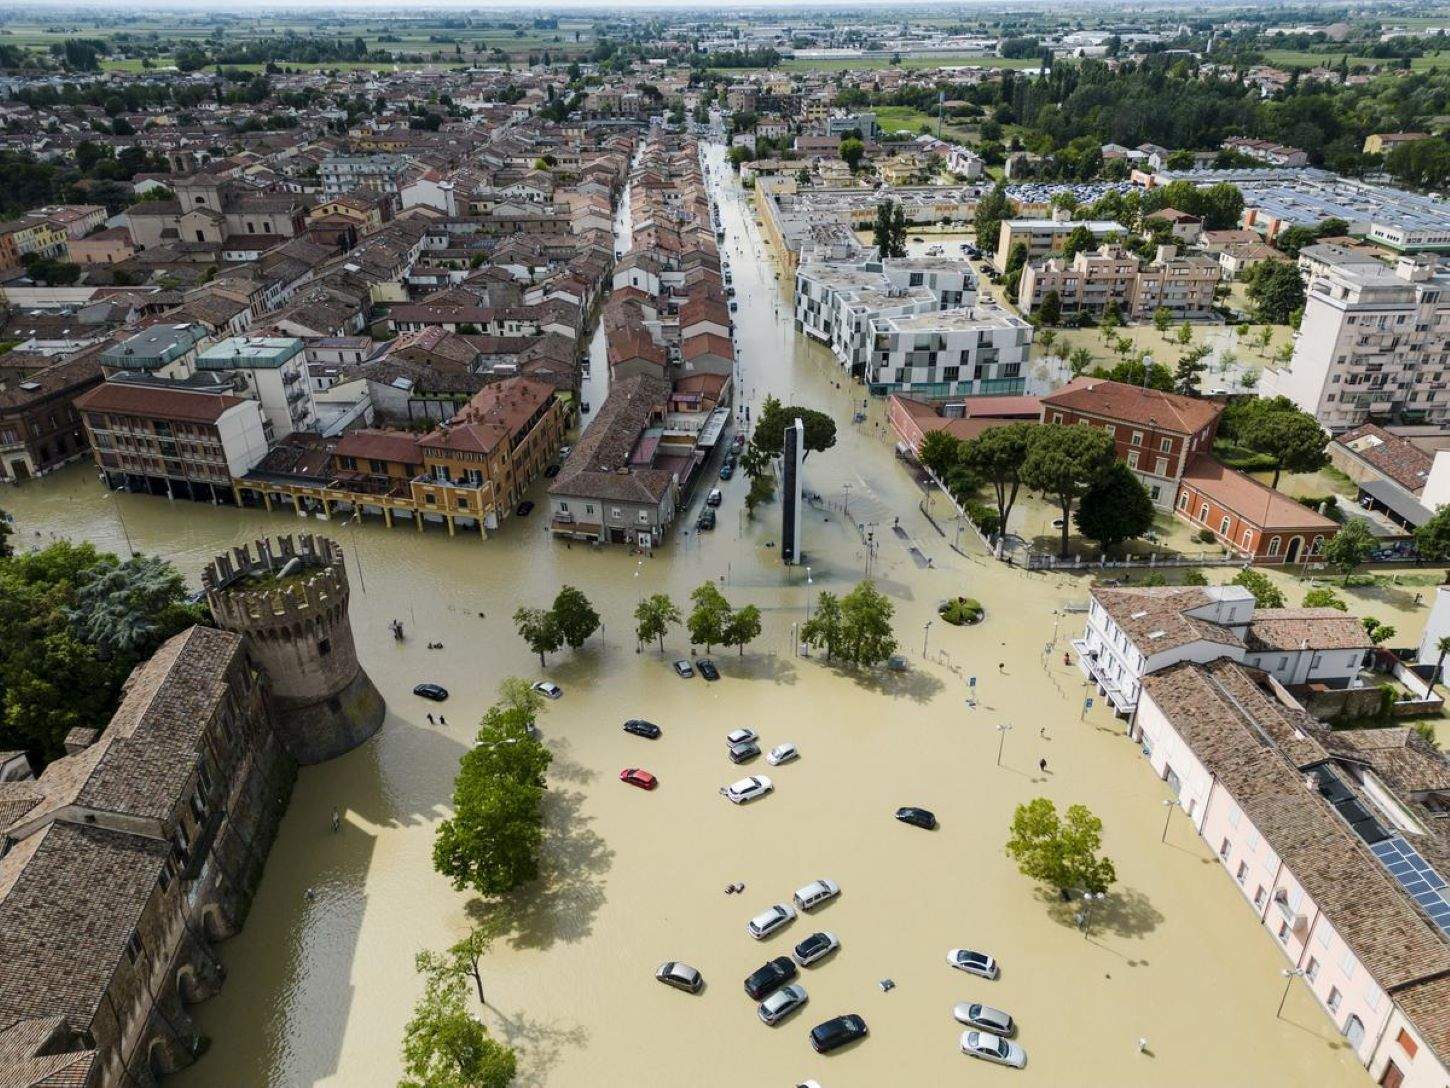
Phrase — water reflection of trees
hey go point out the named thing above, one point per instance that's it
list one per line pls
(562, 904)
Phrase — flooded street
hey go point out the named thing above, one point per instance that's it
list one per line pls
(319, 989)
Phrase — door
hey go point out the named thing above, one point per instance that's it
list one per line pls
(1171, 777)
(1293, 552)
(1354, 1033)
(1392, 1077)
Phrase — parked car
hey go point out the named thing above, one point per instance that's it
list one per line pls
(924, 818)
(524, 508)
(738, 442)
(641, 728)
(782, 1003)
(551, 471)
(768, 921)
(816, 947)
(976, 1015)
(764, 979)
(680, 975)
(436, 692)
(740, 736)
(815, 893)
(715, 498)
(993, 1048)
(708, 669)
(748, 789)
(727, 470)
(548, 689)
(974, 963)
(706, 521)
(684, 669)
(781, 753)
(837, 1032)
(743, 752)
(634, 776)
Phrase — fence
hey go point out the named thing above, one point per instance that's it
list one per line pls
(1039, 561)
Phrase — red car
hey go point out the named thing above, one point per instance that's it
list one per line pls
(636, 777)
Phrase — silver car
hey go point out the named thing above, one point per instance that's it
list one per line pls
(782, 1003)
(768, 921)
(748, 789)
(976, 1015)
(993, 1048)
(741, 736)
(680, 975)
(973, 963)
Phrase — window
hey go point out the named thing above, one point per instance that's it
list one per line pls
(1407, 1044)
(1057, 417)
(1283, 932)
(1311, 969)
(1335, 999)
(643, 517)
(1242, 873)
(1223, 526)
(1165, 445)
(324, 647)
(1183, 501)
(1160, 466)
(1132, 458)
(1224, 849)
(1203, 512)
(1137, 438)
(1274, 545)
(1110, 429)
(1259, 895)
(134, 948)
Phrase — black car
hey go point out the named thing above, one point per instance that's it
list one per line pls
(917, 817)
(837, 1032)
(771, 977)
(551, 471)
(707, 520)
(707, 669)
(436, 692)
(744, 751)
(727, 470)
(524, 508)
(641, 728)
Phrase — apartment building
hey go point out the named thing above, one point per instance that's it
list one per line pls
(162, 351)
(1374, 342)
(1044, 237)
(1156, 433)
(272, 370)
(1092, 280)
(1267, 152)
(40, 429)
(28, 237)
(1336, 841)
(168, 438)
(374, 173)
(965, 351)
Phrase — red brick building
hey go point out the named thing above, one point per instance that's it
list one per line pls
(40, 429)
(1157, 434)
(1249, 517)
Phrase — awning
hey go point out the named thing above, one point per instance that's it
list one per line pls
(1397, 501)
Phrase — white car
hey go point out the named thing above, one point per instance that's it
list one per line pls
(768, 921)
(548, 689)
(976, 1015)
(741, 736)
(782, 753)
(748, 789)
(973, 963)
(782, 1003)
(815, 893)
(993, 1048)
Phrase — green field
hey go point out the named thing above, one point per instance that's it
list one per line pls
(891, 118)
(1289, 58)
(946, 61)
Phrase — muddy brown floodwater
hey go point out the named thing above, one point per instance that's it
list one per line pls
(319, 989)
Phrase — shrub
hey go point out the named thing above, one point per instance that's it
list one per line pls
(1311, 501)
(1192, 576)
(961, 610)
(1204, 536)
(984, 517)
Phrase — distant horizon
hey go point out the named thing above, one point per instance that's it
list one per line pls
(81, 8)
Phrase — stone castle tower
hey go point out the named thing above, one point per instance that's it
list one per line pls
(290, 601)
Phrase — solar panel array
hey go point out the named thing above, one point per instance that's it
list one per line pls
(1419, 879)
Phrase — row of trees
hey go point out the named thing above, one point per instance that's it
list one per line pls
(569, 621)
(855, 628)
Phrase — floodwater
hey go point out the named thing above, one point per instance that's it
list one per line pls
(319, 990)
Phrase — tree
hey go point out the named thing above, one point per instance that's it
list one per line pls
(1060, 853)
(1078, 360)
(991, 210)
(539, 627)
(1047, 337)
(1324, 597)
(770, 425)
(1442, 648)
(742, 627)
(851, 151)
(516, 693)
(997, 455)
(1378, 632)
(443, 1045)
(1064, 462)
(1266, 593)
(710, 616)
(888, 232)
(762, 489)
(1162, 317)
(574, 616)
(1292, 438)
(6, 532)
(866, 636)
(1349, 547)
(1190, 367)
(1432, 539)
(1050, 312)
(825, 630)
(1115, 508)
(1275, 290)
(653, 617)
(939, 452)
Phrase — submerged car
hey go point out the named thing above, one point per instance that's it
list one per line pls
(743, 752)
(635, 776)
(641, 728)
(436, 692)
(973, 963)
(548, 689)
(837, 1032)
(917, 817)
(706, 521)
(781, 753)
(976, 1015)
(715, 498)
(683, 669)
(740, 736)
(766, 978)
(708, 669)
(748, 789)
(993, 1048)
(768, 921)
(782, 1003)
(816, 947)
(815, 893)
(680, 975)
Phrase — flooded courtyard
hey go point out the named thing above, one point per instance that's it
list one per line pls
(319, 987)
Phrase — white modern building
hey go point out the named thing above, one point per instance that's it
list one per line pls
(271, 370)
(1373, 342)
(966, 351)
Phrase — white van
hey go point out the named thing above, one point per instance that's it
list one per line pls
(815, 893)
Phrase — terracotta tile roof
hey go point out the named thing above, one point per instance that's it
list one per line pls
(379, 445)
(1154, 617)
(1306, 628)
(599, 467)
(42, 1052)
(1398, 755)
(492, 417)
(1131, 404)
(1397, 458)
(1252, 501)
(151, 402)
(707, 343)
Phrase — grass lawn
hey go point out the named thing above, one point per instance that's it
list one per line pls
(892, 118)
(843, 64)
(1231, 355)
(1289, 58)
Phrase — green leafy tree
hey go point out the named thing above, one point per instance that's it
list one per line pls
(1078, 240)
(1115, 508)
(940, 452)
(851, 152)
(1350, 547)
(1379, 633)
(762, 489)
(516, 693)
(1062, 463)
(1190, 370)
(1078, 360)
(1266, 593)
(444, 1046)
(710, 616)
(1442, 648)
(991, 210)
(866, 635)
(1275, 291)
(539, 627)
(1061, 853)
(1162, 318)
(755, 461)
(1292, 438)
(1324, 597)
(575, 617)
(1047, 338)
(1050, 312)
(888, 232)
(653, 617)
(774, 417)
(1184, 335)
(742, 627)
(996, 455)
(825, 630)
(1432, 539)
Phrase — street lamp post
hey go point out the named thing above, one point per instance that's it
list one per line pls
(1001, 740)
(809, 583)
(1290, 974)
(1091, 899)
(925, 634)
(1168, 804)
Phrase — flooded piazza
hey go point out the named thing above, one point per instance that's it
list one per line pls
(319, 987)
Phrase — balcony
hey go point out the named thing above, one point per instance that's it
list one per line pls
(1088, 662)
